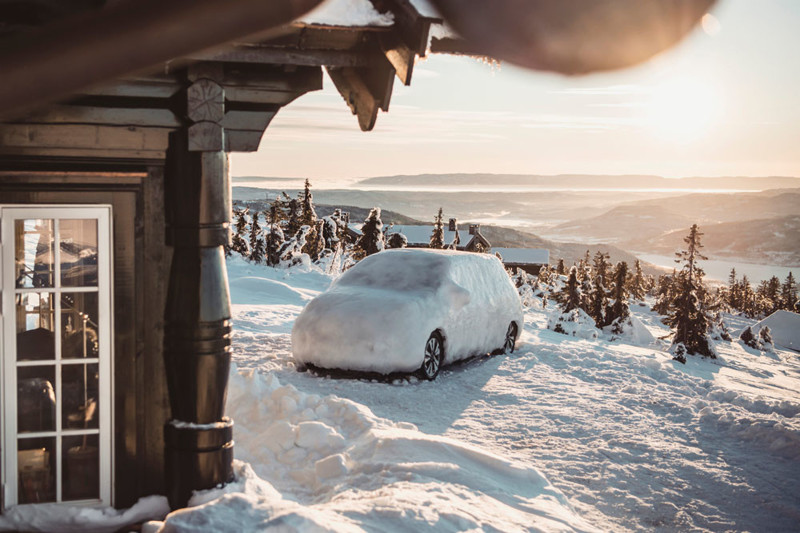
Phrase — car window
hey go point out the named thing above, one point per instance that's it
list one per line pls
(398, 271)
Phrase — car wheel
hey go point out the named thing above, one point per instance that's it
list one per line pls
(511, 338)
(434, 355)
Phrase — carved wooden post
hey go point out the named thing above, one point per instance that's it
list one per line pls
(199, 439)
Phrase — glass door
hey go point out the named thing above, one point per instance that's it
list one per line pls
(56, 354)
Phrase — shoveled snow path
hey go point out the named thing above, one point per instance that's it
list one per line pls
(635, 441)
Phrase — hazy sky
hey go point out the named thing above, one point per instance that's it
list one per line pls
(726, 101)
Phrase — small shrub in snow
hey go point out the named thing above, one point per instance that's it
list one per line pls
(749, 339)
(397, 240)
(678, 352)
(765, 337)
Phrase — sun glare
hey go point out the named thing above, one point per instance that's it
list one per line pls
(682, 110)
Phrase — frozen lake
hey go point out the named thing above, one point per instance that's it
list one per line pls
(720, 269)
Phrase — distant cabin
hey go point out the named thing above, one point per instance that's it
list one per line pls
(531, 260)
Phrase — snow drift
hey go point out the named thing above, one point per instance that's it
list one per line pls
(329, 464)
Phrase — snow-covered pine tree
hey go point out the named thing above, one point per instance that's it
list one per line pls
(293, 222)
(618, 311)
(598, 301)
(238, 242)
(765, 338)
(397, 240)
(587, 290)
(638, 283)
(275, 237)
(308, 216)
(257, 245)
(601, 267)
(371, 239)
(688, 316)
(560, 268)
(749, 339)
(789, 293)
(569, 297)
(437, 236)
(664, 294)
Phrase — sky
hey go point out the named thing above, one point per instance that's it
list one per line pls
(724, 102)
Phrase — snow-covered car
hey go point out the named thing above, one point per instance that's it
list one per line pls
(410, 311)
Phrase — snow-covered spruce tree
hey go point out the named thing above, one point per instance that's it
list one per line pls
(371, 239)
(437, 236)
(601, 267)
(308, 216)
(560, 268)
(688, 317)
(734, 298)
(665, 294)
(238, 242)
(257, 245)
(569, 297)
(275, 236)
(765, 337)
(719, 330)
(293, 222)
(598, 301)
(314, 242)
(749, 339)
(637, 285)
(587, 290)
(789, 293)
(397, 240)
(618, 311)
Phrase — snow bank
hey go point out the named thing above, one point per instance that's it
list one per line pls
(81, 519)
(378, 315)
(329, 464)
(632, 330)
(784, 327)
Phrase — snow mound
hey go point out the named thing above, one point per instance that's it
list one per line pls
(632, 330)
(81, 519)
(329, 464)
(784, 327)
(347, 13)
(575, 323)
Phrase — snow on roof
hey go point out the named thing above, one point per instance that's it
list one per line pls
(347, 13)
(538, 256)
(784, 327)
(422, 234)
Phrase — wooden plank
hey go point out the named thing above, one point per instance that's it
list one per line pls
(247, 120)
(76, 114)
(285, 56)
(137, 88)
(400, 56)
(147, 156)
(242, 140)
(82, 136)
(257, 96)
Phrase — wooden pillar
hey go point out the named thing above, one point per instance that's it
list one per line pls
(199, 438)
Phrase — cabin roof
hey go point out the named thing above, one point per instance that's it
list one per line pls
(524, 256)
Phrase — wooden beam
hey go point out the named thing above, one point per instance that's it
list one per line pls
(400, 56)
(111, 116)
(22, 138)
(357, 96)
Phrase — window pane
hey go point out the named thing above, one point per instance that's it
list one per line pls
(79, 327)
(37, 470)
(81, 460)
(36, 399)
(79, 396)
(35, 327)
(78, 244)
(34, 253)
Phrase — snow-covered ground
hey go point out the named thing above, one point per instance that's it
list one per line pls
(564, 434)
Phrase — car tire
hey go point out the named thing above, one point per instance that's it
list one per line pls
(433, 357)
(511, 338)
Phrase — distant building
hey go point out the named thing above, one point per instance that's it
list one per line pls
(530, 260)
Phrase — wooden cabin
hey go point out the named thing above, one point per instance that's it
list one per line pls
(114, 209)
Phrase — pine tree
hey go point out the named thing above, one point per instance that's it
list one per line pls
(734, 298)
(238, 243)
(371, 239)
(619, 311)
(308, 216)
(789, 293)
(637, 282)
(570, 295)
(688, 317)
(397, 240)
(665, 294)
(437, 236)
(601, 267)
(598, 301)
(257, 247)
(560, 268)
(293, 222)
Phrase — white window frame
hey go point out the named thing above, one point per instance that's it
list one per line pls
(8, 366)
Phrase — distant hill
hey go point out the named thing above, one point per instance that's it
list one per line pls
(623, 223)
(580, 181)
(716, 207)
(772, 241)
